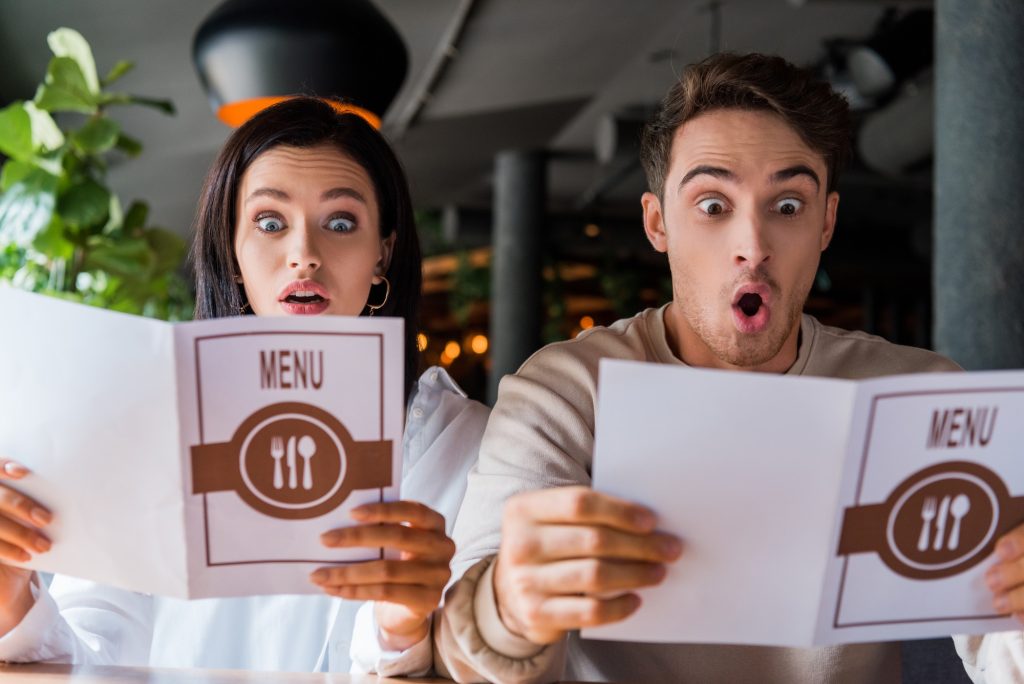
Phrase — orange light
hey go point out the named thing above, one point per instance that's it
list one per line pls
(452, 350)
(592, 230)
(479, 344)
(421, 342)
(235, 114)
(445, 359)
(586, 322)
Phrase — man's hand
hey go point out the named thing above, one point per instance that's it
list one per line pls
(570, 557)
(407, 590)
(1006, 577)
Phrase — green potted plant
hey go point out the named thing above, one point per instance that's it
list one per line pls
(63, 232)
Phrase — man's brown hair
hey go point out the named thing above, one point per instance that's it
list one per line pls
(755, 82)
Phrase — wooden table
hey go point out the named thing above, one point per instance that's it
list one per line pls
(85, 674)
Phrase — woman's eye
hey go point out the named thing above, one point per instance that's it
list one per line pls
(712, 206)
(789, 206)
(270, 224)
(340, 224)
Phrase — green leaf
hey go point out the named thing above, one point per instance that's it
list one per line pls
(129, 258)
(84, 205)
(128, 145)
(52, 242)
(45, 133)
(135, 217)
(13, 172)
(16, 132)
(66, 42)
(169, 248)
(166, 106)
(65, 89)
(98, 135)
(119, 70)
(115, 216)
(27, 207)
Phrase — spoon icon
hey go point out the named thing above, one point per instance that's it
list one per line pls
(961, 504)
(307, 447)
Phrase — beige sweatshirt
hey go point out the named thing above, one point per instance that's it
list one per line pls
(541, 434)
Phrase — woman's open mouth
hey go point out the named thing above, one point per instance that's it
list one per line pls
(304, 298)
(750, 308)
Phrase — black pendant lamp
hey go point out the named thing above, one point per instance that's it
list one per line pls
(251, 54)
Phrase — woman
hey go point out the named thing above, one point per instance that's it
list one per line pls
(305, 211)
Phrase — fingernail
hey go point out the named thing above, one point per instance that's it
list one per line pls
(644, 519)
(671, 547)
(359, 513)
(658, 573)
(1007, 549)
(42, 544)
(40, 516)
(1001, 604)
(15, 469)
(992, 578)
(318, 576)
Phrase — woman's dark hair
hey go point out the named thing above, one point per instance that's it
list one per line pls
(306, 122)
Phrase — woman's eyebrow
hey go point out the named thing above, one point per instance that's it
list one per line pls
(268, 192)
(335, 193)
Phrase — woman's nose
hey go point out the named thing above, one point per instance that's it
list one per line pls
(303, 253)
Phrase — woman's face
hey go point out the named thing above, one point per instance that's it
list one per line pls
(307, 234)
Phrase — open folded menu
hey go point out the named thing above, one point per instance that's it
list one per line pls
(198, 459)
(814, 511)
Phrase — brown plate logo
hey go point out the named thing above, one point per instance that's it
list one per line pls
(291, 460)
(938, 522)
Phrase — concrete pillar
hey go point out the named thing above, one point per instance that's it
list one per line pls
(979, 182)
(520, 193)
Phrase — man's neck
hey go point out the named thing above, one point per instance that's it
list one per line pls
(687, 345)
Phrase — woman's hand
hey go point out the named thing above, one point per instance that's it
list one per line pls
(20, 520)
(1006, 578)
(406, 590)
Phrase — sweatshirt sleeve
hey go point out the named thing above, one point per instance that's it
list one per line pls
(369, 657)
(81, 622)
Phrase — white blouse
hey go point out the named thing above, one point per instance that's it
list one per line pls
(82, 622)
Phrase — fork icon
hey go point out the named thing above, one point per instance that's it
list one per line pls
(928, 510)
(277, 453)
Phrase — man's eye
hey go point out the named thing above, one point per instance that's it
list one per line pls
(712, 206)
(789, 206)
(340, 224)
(270, 224)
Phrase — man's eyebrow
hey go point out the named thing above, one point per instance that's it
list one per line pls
(335, 193)
(706, 170)
(794, 171)
(268, 192)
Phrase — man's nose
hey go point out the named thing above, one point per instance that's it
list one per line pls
(752, 246)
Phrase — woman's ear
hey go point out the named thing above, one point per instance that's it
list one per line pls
(387, 248)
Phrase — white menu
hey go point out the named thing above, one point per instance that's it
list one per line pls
(814, 511)
(199, 459)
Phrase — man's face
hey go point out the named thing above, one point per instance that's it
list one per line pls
(744, 219)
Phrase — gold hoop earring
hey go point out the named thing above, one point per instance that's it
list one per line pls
(387, 292)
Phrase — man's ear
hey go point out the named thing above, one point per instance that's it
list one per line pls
(831, 207)
(387, 248)
(654, 222)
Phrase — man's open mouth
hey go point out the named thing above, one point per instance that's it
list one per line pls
(750, 304)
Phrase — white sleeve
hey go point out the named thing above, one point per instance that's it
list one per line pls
(996, 658)
(368, 657)
(81, 622)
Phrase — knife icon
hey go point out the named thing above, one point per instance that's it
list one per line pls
(292, 477)
(940, 520)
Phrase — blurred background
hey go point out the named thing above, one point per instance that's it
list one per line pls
(517, 121)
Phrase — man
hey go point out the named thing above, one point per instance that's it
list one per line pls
(742, 160)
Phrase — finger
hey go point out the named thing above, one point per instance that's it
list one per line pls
(25, 538)
(411, 512)
(579, 505)
(567, 613)
(423, 543)
(17, 505)
(559, 542)
(419, 599)
(1011, 601)
(384, 572)
(12, 470)
(10, 553)
(1005, 576)
(1011, 545)
(595, 577)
